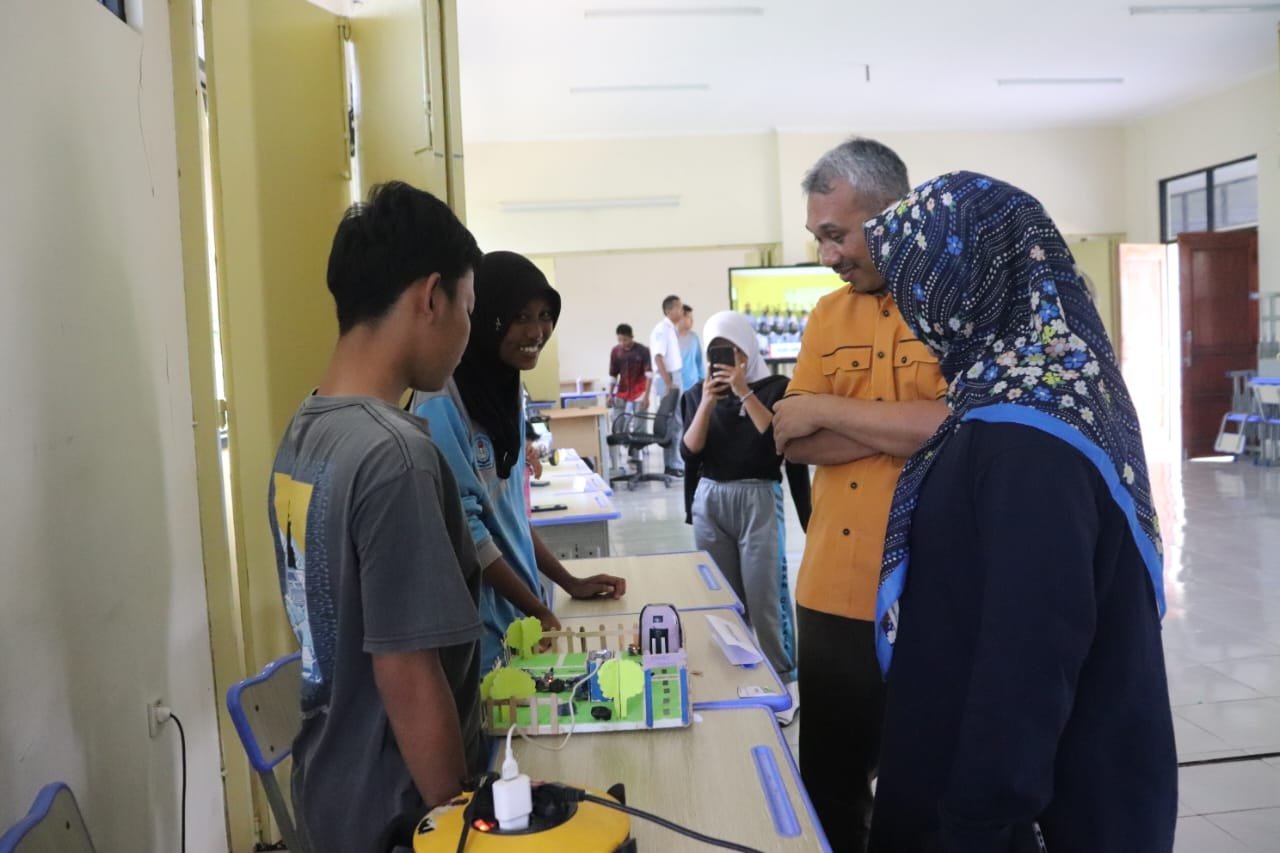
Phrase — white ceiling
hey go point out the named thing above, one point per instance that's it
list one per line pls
(800, 65)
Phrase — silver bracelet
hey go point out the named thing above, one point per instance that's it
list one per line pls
(746, 396)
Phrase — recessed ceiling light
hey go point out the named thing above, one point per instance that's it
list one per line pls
(675, 12)
(1059, 81)
(642, 87)
(1205, 9)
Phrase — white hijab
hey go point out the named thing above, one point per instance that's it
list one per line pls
(739, 331)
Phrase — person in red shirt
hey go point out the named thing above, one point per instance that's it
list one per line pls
(629, 374)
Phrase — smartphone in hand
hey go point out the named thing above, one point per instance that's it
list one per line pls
(722, 355)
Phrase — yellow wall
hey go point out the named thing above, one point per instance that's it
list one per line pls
(543, 382)
(745, 189)
(1096, 257)
(104, 605)
(726, 194)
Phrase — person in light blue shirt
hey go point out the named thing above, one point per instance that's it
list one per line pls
(478, 422)
(692, 369)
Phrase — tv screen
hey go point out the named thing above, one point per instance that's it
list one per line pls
(778, 301)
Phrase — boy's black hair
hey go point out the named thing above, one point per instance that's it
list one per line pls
(400, 235)
(668, 302)
(688, 309)
(625, 329)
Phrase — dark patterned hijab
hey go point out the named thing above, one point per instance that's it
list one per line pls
(982, 275)
(489, 387)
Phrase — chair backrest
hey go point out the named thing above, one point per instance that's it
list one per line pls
(266, 711)
(1267, 392)
(666, 412)
(53, 825)
(647, 428)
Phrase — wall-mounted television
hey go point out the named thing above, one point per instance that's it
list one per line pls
(778, 301)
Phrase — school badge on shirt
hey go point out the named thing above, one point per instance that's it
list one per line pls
(484, 451)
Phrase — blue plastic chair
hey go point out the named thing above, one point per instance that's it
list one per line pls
(267, 714)
(54, 825)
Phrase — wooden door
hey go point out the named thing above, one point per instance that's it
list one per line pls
(1148, 349)
(1219, 326)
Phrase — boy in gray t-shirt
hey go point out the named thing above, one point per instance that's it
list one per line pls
(377, 567)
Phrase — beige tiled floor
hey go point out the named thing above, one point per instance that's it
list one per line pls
(1222, 635)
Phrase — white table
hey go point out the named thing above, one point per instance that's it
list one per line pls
(730, 775)
(581, 529)
(688, 579)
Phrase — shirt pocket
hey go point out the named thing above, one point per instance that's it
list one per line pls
(848, 370)
(915, 371)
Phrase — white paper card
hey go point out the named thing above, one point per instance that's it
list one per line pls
(733, 641)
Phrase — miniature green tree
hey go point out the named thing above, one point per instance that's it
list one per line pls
(486, 684)
(508, 683)
(619, 681)
(523, 635)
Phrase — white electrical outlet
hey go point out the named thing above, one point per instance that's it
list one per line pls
(153, 717)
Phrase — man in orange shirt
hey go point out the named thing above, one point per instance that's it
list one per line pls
(865, 395)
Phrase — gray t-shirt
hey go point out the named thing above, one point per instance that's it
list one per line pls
(374, 557)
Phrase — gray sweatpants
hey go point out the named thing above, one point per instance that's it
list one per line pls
(740, 524)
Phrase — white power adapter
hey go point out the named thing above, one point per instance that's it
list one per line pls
(512, 794)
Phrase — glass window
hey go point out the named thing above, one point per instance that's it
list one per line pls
(1186, 205)
(1235, 195)
(116, 7)
(1218, 198)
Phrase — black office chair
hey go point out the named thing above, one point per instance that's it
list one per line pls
(617, 437)
(642, 430)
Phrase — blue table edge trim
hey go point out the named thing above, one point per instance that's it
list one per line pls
(783, 814)
(785, 748)
(565, 521)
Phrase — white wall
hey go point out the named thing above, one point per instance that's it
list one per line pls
(1239, 122)
(1077, 173)
(741, 190)
(104, 601)
(599, 291)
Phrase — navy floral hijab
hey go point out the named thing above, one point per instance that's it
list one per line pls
(982, 275)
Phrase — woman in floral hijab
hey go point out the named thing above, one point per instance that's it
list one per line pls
(1027, 702)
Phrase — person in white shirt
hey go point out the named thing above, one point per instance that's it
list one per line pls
(664, 349)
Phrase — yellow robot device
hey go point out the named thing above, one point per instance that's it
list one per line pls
(555, 826)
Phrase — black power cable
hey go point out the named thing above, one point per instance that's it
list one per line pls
(182, 736)
(663, 822)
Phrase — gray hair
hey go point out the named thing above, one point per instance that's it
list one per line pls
(870, 167)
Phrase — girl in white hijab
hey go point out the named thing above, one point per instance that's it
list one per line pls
(733, 483)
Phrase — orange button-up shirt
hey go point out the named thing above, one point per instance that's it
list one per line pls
(856, 345)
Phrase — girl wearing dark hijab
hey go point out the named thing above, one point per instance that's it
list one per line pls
(1022, 588)
(479, 424)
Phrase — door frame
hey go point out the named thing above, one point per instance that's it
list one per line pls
(225, 622)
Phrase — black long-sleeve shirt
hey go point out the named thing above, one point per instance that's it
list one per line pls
(1028, 679)
(736, 450)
